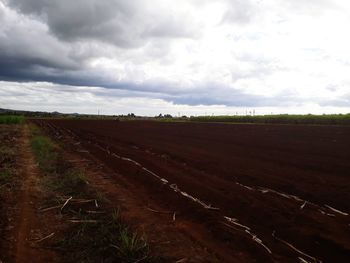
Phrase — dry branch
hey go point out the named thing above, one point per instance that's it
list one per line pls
(301, 260)
(336, 210)
(253, 236)
(141, 259)
(324, 213)
(259, 241)
(82, 201)
(49, 208)
(65, 203)
(160, 212)
(234, 221)
(84, 221)
(95, 212)
(46, 237)
(294, 248)
(303, 205)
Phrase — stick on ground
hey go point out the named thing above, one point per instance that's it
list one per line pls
(65, 203)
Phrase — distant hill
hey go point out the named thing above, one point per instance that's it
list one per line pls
(33, 113)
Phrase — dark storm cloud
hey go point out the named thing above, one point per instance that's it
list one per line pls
(126, 24)
(54, 40)
(29, 53)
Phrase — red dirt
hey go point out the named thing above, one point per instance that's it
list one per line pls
(260, 175)
(26, 226)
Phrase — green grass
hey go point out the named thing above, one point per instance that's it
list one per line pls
(97, 237)
(46, 157)
(131, 246)
(60, 175)
(11, 119)
(72, 182)
(106, 240)
(330, 119)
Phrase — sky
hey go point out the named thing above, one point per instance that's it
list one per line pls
(184, 57)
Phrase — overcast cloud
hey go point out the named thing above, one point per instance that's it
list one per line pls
(191, 56)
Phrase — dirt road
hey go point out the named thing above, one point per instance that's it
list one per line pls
(28, 227)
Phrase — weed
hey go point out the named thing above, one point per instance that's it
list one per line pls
(106, 240)
(46, 157)
(72, 182)
(130, 245)
(100, 197)
(5, 176)
(11, 119)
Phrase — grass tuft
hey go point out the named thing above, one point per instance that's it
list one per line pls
(131, 245)
(92, 237)
(106, 240)
(72, 182)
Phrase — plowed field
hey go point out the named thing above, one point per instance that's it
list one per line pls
(276, 193)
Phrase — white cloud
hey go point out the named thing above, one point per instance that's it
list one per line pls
(274, 53)
(70, 99)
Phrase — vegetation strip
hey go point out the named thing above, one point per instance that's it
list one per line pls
(11, 119)
(9, 183)
(326, 119)
(94, 235)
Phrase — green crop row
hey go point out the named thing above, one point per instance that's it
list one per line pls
(330, 119)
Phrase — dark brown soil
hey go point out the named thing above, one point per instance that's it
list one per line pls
(289, 184)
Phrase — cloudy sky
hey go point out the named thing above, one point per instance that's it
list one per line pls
(178, 57)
